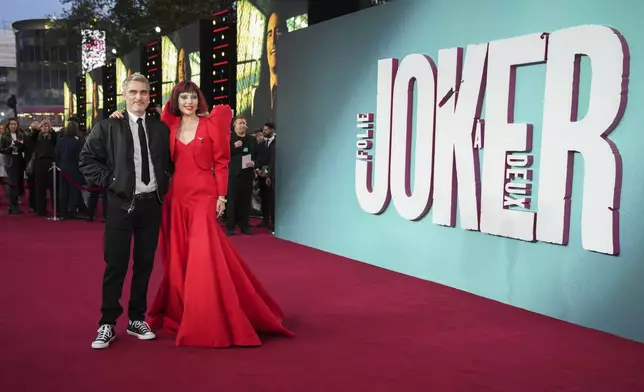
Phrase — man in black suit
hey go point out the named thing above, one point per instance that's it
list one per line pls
(130, 158)
(267, 191)
(241, 173)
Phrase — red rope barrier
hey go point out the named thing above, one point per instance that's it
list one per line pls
(77, 185)
(64, 175)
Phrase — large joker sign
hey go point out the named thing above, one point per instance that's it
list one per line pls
(494, 197)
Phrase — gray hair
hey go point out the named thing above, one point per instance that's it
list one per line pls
(135, 77)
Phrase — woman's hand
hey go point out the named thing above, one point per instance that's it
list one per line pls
(118, 114)
(221, 206)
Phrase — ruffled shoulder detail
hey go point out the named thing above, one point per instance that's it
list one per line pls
(221, 116)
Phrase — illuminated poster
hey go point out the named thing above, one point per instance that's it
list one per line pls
(195, 67)
(93, 49)
(259, 27)
(168, 67)
(97, 94)
(67, 96)
(89, 100)
(297, 22)
(181, 58)
(125, 66)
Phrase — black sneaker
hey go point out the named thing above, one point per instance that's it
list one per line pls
(105, 336)
(141, 330)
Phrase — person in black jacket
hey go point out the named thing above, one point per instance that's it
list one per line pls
(68, 148)
(243, 160)
(130, 158)
(267, 152)
(12, 146)
(270, 181)
(31, 137)
(43, 157)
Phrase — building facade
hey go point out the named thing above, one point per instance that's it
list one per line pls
(8, 73)
(46, 57)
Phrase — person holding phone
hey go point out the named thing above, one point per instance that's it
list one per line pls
(12, 146)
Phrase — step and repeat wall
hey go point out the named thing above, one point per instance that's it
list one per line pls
(489, 146)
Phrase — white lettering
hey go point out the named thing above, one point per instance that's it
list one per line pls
(518, 173)
(503, 136)
(374, 198)
(522, 202)
(479, 134)
(518, 188)
(563, 134)
(450, 131)
(416, 69)
(456, 159)
(364, 144)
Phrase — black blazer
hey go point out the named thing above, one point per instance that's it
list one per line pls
(249, 146)
(271, 164)
(30, 143)
(8, 147)
(107, 158)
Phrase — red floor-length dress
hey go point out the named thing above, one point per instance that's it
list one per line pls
(208, 296)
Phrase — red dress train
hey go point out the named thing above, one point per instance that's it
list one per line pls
(208, 297)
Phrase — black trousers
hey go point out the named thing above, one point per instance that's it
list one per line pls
(31, 184)
(92, 204)
(69, 197)
(267, 193)
(143, 224)
(15, 175)
(239, 203)
(44, 182)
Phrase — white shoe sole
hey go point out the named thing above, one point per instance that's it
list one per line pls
(99, 345)
(142, 337)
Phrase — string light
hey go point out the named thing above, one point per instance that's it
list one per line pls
(153, 71)
(221, 55)
(81, 109)
(109, 82)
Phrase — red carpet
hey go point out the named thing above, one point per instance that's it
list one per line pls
(359, 328)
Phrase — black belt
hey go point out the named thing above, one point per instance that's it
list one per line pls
(146, 195)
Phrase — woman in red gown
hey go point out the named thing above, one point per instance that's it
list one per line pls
(208, 296)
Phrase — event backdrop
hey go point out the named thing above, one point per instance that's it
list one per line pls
(331, 74)
(260, 26)
(125, 66)
(69, 95)
(181, 58)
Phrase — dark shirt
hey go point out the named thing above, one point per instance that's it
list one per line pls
(249, 146)
(45, 147)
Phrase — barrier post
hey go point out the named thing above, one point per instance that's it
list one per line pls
(54, 173)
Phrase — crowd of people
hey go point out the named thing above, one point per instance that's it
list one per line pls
(27, 156)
